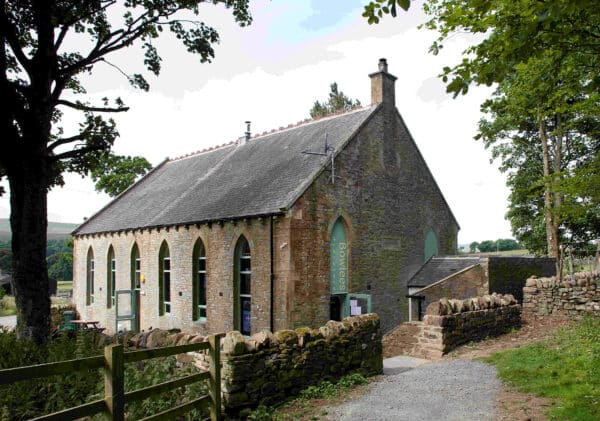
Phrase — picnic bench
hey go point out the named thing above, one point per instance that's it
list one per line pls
(92, 325)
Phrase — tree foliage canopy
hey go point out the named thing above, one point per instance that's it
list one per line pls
(47, 46)
(337, 102)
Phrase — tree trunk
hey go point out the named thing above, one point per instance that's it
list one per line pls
(549, 214)
(28, 220)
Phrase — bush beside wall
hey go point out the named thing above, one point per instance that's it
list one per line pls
(574, 296)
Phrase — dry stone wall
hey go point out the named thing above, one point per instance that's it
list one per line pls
(574, 296)
(449, 324)
(268, 367)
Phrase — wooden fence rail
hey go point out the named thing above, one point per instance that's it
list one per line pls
(115, 397)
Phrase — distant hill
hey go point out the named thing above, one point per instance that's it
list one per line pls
(56, 230)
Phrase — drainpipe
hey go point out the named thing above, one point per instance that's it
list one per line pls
(272, 273)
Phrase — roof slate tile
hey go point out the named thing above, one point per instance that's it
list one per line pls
(260, 177)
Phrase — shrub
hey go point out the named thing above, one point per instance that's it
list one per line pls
(32, 398)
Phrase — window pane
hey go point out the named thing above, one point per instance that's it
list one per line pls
(245, 283)
(202, 312)
(167, 264)
(245, 265)
(202, 289)
(167, 286)
(137, 264)
(246, 309)
(167, 307)
(202, 264)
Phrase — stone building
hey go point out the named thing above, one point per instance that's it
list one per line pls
(294, 227)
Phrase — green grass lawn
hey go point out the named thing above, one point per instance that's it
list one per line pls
(65, 285)
(7, 306)
(565, 369)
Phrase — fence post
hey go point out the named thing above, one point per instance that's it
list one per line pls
(114, 388)
(215, 376)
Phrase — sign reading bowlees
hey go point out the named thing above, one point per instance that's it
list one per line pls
(339, 260)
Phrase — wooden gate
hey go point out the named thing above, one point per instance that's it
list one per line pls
(115, 397)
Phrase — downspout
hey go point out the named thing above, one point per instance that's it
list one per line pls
(272, 273)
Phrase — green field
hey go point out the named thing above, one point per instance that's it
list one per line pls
(65, 285)
(56, 230)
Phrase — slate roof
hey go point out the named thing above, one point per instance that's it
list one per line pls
(261, 177)
(438, 268)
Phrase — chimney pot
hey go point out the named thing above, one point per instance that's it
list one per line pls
(382, 85)
(383, 67)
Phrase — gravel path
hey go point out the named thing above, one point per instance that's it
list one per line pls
(447, 390)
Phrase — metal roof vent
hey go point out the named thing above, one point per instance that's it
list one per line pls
(248, 132)
(247, 135)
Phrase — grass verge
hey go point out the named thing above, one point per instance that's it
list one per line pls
(565, 369)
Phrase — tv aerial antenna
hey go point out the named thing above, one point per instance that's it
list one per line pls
(327, 151)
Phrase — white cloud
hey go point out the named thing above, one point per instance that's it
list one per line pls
(194, 106)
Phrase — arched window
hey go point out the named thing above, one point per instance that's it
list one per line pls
(111, 274)
(89, 278)
(242, 299)
(431, 246)
(135, 267)
(164, 280)
(199, 282)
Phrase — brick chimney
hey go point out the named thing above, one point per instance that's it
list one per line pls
(382, 85)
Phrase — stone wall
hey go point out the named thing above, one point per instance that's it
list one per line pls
(574, 296)
(267, 368)
(449, 324)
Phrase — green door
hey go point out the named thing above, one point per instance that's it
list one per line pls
(338, 259)
(126, 310)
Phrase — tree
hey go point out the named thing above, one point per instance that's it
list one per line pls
(473, 247)
(40, 77)
(544, 127)
(337, 102)
(543, 113)
(487, 246)
(114, 174)
(60, 266)
(515, 31)
(506, 244)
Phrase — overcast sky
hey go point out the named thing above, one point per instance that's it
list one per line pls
(271, 73)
